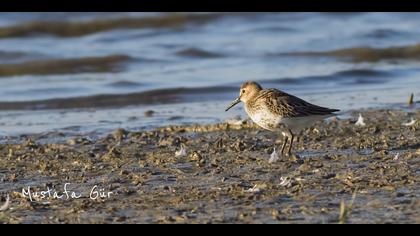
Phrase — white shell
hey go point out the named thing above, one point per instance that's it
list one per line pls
(181, 152)
(285, 181)
(273, 157)
(360, 121)
(411, 123)
(6, 205)
(254, 189)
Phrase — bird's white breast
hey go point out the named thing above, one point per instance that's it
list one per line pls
(271, 121)
(265, 119)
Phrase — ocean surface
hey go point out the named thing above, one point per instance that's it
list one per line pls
(91, 73)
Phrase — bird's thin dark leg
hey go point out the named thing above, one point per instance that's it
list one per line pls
(291, 136)
(285, 139)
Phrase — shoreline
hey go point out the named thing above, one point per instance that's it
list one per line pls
(225, 175)
(138, 119)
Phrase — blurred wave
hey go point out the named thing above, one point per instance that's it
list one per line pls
(348, 77)
(197, 53)
(161, 96)
(367, 54)
(65, 66)
(80, 28)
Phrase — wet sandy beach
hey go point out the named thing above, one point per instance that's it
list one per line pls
(346, 174)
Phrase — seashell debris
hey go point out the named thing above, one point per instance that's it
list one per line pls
(360, 121)
(181, 152)
(285, 181)
(411, 123)
(254, 189)
(273, 157)
(6, 205)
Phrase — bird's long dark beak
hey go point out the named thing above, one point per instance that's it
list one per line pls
(236, 101)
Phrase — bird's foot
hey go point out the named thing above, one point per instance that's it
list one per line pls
(294, 158)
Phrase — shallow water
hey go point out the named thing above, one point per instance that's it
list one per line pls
(56, 74)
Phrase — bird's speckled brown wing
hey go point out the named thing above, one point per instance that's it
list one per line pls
(286, 105)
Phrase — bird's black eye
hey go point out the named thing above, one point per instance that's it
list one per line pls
(243, 90)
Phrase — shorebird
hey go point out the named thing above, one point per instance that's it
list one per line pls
(276, 110)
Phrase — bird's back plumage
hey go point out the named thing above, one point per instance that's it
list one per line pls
(286, 105)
